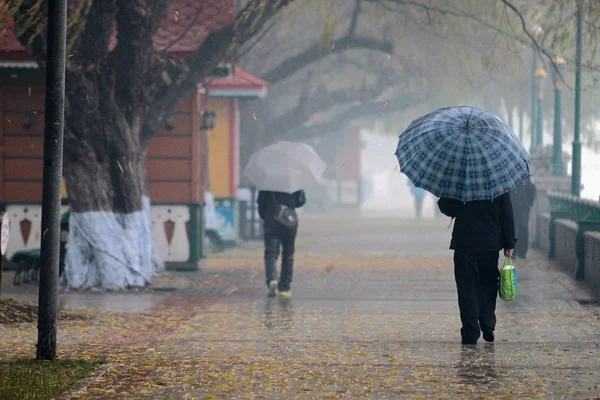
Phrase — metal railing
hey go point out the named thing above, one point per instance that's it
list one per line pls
(586, 213)
(575, 208)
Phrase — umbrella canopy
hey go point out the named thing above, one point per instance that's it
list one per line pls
(285, 167)
(463, 153)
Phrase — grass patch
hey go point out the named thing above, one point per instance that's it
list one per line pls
(41, 380)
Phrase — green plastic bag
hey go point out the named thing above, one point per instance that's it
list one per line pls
(508, 280)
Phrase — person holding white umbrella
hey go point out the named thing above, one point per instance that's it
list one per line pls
(281, 172)
(280, 229)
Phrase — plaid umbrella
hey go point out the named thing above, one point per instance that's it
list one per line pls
(463, 153)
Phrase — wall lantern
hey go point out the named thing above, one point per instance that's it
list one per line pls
(209, 120)
(27, 119)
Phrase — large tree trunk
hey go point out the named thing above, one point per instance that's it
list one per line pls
(116, 98)
(110, 244)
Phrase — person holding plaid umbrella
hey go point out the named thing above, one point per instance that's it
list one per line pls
(471, 160)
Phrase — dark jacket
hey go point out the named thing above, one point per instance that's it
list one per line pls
(266, 201)
(481, 225)
(522, 199)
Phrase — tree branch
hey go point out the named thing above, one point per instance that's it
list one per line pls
(450, 10)
(219, 44)
(457, 12)
(327, 100)
(316, 52)
(373, 109)
(93, 43)
(30, 24)
(187, 29)
(215, 49)
(533, 40)
(354, 21)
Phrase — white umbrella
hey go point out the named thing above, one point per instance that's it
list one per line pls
(285, 167)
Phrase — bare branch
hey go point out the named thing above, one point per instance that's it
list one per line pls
(449, 10)
(354, 21)
(30, 27)
(317, 51)
(216, 48)
(368, 110)
(457, 12)
(323, 99)
(219, 44)
(533, 40)
(191, 23)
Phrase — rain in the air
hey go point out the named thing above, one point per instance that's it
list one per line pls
(299, 199)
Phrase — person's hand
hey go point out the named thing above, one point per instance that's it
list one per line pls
(508, 253)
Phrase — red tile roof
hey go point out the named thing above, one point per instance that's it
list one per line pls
(8, 42)
(185, 29)
(241, 80)
(190, 21)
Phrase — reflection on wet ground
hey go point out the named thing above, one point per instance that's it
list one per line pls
(279, 314)
(357, 326)
(477, 365)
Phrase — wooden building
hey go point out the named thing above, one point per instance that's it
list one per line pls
(223, 96)
(180, 166)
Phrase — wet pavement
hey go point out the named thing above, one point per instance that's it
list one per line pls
(373, 315)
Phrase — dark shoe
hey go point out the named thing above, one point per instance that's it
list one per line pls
(488, 336)
(471, 339)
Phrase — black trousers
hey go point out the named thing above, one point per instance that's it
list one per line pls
(477, 279)
(277, 238)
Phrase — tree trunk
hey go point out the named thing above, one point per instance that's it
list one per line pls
(110, 244)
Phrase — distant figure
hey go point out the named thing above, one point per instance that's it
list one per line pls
(419, 195)
(481, 229)
(522, 201)
(280, 225)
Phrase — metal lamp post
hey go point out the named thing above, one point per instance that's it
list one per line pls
(533, 96)
(557, 159)
(540, 74)
(576, 174)
(537, 31)
(521, 114)
(51, 191)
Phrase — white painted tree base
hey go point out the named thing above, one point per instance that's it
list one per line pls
(111, 251)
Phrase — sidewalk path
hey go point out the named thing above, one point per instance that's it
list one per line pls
(373, 315)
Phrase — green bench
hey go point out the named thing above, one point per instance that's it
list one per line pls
(28, 261)
(28, 266)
